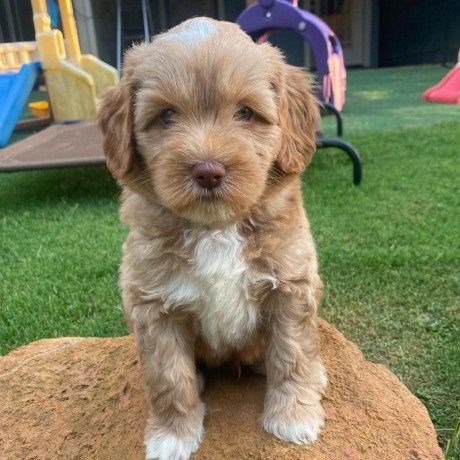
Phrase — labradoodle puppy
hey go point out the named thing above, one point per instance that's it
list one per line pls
(207, 133)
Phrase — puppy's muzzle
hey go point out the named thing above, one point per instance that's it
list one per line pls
(208, 174)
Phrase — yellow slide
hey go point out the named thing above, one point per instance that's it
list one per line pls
(74, 81)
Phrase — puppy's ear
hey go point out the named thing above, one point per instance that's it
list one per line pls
(298, 119)
(297, 111)
(115, 119)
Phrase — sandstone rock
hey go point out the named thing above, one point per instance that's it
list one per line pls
(76, 398)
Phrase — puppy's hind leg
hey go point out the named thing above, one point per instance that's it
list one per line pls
(175, 425)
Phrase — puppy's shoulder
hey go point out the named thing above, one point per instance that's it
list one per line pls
(281, 212)
(137, 212)
(281, 236)
(132, 206)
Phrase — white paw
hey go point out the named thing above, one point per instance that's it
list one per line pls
(296, 431)
(166, 446)
(292, 420)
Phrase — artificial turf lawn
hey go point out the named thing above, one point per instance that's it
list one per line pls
(388, 249)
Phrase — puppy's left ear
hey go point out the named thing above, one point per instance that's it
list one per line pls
(298, 119)
(115, 118)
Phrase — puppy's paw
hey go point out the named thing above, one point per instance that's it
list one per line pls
(169, 445)
(291, 420)
(299, 431)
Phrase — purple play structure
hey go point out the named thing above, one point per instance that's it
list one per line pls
(267, 15)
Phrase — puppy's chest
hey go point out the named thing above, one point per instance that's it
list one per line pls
(216, 286)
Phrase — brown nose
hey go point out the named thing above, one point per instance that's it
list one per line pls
(208, 174)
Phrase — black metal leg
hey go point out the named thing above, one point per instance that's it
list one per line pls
(119, 50)
(350, 150)
(330, 109)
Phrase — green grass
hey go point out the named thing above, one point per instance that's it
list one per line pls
(389, 99)
(388, 249)
(60, 249)
(453, 444)
(389, 256)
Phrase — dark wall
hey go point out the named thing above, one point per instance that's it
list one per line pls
(178, 10)
(418, 31)
(105, 20)
(175, 12)
(16, 22)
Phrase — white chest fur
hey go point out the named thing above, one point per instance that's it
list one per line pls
(215, 285)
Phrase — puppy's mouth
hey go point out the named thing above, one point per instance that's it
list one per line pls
(212, 195)
(207, 192)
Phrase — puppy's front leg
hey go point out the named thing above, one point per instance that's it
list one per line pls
(175, 425)
(296, 376)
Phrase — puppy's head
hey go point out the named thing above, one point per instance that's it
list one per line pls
(204, 118)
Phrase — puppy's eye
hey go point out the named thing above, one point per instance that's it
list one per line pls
(168, 117)
(243, 114)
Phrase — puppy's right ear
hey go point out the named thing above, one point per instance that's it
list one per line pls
(115, 119)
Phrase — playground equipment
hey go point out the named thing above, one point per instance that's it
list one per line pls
(265, 16)
(80, 143)
(14, 55)
(447, 91)
(15, 88)
(18, 72)
(39, 109)
(73, 80)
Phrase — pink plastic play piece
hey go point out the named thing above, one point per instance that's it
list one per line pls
(447, 91)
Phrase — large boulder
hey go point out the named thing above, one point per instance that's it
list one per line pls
(79, 398)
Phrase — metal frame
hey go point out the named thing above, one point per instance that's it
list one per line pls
(145, 21)
(325, 142)
(329, 109)
(119, 37)
(146, 12)
(339, 143)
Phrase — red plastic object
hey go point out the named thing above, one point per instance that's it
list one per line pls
(447, 91)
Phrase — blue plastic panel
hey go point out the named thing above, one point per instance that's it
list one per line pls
(15, 88)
